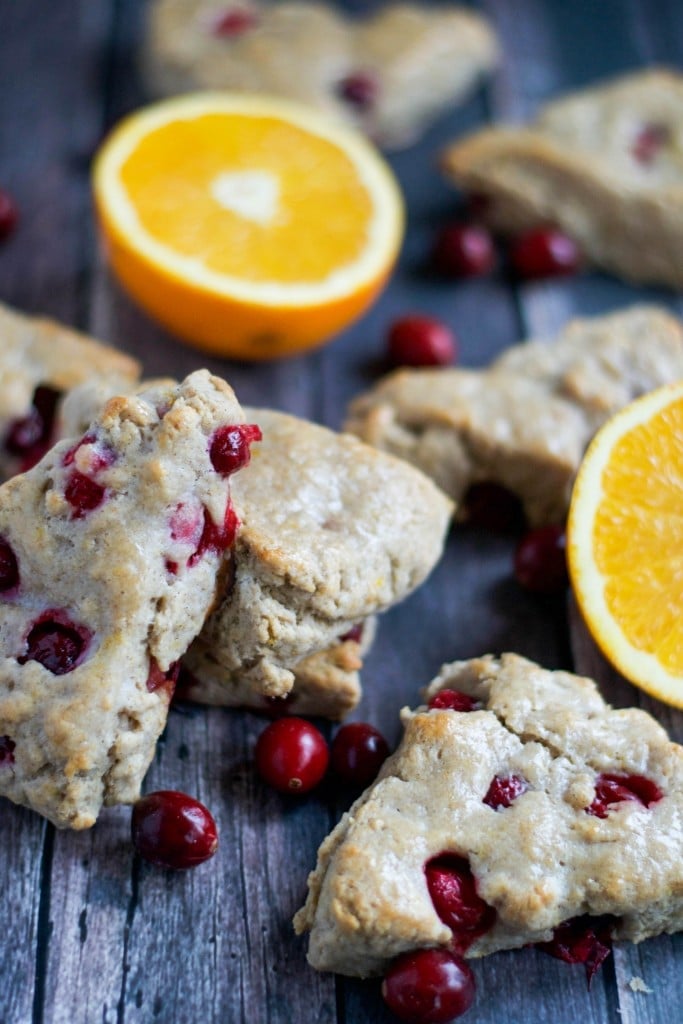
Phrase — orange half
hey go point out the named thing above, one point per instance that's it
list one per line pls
(250, 226)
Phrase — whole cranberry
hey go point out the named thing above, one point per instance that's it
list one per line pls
(582, 940)
(453, 890)
(464, 250)
(292, 755)
(9, 215)
(9, 570)
(421, 341)
(453, 700)
(540, 562)
(229, 450)
(544, 252)
(430, 986)
(358, 752)
(173, 830)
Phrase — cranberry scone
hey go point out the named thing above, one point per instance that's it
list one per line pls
(333, 531)
(526, 420)
(389, 74)
(603, 164)
(111, 550)
(39, 361)
(519, 809)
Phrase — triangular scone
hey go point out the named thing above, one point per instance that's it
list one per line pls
(568, 842)
(526, 420)
(603, 164)
(389, 74)
(39, 361)
(333, 531)
(110, 550)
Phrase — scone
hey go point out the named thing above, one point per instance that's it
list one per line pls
(39, 361)
(604, 164)
(499, 825)
(389, 74)
(326, 683)
(110, 557)
(525, 421)
(332, 532)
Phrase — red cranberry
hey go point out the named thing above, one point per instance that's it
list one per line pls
(504, 789)
(157, 678)
(56, 643)
(9, 569)
(30, 437)
(9, 215)
(430, 986)
(358, 752)
(355, 634)
(454, 700)
(464, 250)
(292, 755)
(234, 22)
(615, 789)
(83, 494)
(582, 940)
(98, 456)
(214, 537)
(544, 252)
(173, 830)
(360, 89)
(493, 507)
(452, 888)
(540, 560)
(229, 449)
(187, 523)
(649, 141)
(7, 746)
(421, 341)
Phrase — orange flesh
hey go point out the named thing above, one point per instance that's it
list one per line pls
(642, 558)
(324, 210)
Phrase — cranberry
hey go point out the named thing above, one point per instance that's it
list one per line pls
(234, 22)
(430, 986)
(464, 250)
(360, 89)
(216, 538)
(355, 634)
(98, 456)
(187, 523)
(157, 678)
(582, 940)
(454, 700)
(544, 252)
(30, 437)
(615, 789)
(9, 570)
(649, 141)
(173, 830)
(83, 494)
(229, 448)
(540, 560)
(9, 214)
(56, 643)
(358, 752)
(421, 341)
(493, 507)
(292, 755)
(504, 789)
(452, 888)
(7, 746)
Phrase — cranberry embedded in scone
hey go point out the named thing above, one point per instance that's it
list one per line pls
(504, 789)
(83, 494)
(215, 537)
(158, 679)
(234, 22)
(56, 642)
(9, 569)
(229, 450)
(7, 747)
(31, 436)
(649, 141)
(360, 89)
(454, 700)
(613, 789)
(452, 888)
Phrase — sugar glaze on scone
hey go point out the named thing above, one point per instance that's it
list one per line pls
(332, 532)
(39, 361)
(556, 851)
(526, 420)
(110, 553)
(604, 164)
(389, 73)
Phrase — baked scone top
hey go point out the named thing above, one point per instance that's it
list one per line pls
(538, 862)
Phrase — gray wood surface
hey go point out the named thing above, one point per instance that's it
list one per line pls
(88, 934)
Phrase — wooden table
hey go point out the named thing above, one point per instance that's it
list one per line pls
(89, 934)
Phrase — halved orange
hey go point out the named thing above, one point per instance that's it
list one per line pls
(625, 542)
(250, 226)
